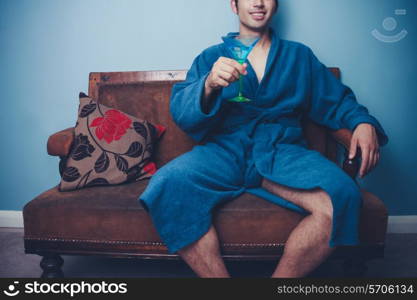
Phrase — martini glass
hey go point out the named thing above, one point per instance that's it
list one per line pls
(240, 46)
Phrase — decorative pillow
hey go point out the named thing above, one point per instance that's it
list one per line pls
(110, 147)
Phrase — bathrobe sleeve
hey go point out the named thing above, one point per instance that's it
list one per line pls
(333, 104)
(185, 102)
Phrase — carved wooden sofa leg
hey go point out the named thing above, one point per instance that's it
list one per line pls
(51, 264)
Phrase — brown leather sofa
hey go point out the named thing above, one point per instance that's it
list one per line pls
(109, 221)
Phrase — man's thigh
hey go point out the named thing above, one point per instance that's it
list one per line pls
(306, 177)
(312, 200)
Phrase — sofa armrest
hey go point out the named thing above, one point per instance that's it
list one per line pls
(59, 144)
(350, 166)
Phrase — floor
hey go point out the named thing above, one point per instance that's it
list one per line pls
(400, 261)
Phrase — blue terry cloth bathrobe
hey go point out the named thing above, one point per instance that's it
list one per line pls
(245, 142)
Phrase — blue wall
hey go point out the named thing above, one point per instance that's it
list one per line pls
(48, 48)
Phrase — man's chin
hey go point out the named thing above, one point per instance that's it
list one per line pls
(258, 28)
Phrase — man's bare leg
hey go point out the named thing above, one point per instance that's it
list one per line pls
(203, 256)
(308, 244)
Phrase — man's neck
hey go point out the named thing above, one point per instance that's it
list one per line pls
(265, 39)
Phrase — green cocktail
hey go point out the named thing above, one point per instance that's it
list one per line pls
(240, 46)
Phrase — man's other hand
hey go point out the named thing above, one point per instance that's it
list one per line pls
(366, 138)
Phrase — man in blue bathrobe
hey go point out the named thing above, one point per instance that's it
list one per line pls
(258, 147)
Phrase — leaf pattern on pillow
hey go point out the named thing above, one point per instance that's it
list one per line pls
(135, 150)
(87, 110)
(121, 163)
(140, 129)
(82, 147)
(102, 163)
(71, 174)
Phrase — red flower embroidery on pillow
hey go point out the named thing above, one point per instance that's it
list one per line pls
(161, 129)
(150, 168)
(112, 126)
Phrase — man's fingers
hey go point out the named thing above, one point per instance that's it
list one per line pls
(244, 68)
(365, 161)
(376, 157)
(233, 63)
(222, 82)
(353, 146)
(371, 163)
(230, 69)
(229, 77)
(373, 159)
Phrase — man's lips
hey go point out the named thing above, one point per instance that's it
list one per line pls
(258, 15)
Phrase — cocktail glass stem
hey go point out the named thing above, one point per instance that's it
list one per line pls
(241, 61)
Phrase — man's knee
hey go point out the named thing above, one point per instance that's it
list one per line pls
(322, 204)
(345, 192)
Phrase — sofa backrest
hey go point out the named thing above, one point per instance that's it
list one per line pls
(146, 94)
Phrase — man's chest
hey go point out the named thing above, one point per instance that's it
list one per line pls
(258, 60)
